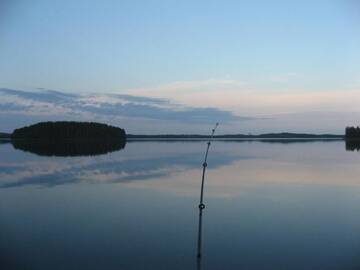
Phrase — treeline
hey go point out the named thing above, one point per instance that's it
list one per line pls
(283, 135)
(4, 135)
(65, 130)
(352, 133)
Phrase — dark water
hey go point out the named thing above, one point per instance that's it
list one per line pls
(268, 206)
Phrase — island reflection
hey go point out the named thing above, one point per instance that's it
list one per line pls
(69, 148)
(156, 161)
(352, 145)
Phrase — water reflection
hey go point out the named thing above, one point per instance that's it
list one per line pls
(352, 146)
(115, 169)
(269, 206)
(199, 240)
(154, 161)
(68, 147)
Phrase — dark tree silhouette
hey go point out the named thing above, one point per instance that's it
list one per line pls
(352, 137)
(4, 135)
(69, 130)
(69, 138)
(352, 133)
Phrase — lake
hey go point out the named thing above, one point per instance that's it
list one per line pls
(269, 205)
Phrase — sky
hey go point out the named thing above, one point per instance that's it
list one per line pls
(254, 66)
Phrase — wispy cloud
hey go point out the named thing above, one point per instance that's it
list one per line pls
(109, 106)
(189, 107)
(253, 99)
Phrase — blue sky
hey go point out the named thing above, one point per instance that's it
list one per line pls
(197, 53)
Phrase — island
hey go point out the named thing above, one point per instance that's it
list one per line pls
(69, 130)
(352, 133)
(89, 138)
(68, 138)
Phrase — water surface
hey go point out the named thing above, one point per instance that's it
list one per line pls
(268, 206)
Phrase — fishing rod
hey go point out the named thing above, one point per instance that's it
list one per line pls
(201, 204)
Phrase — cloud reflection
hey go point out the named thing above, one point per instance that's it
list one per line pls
(176, 166)
(110, 169)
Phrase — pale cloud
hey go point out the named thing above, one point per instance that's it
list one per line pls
(252, 100)
(129, 111)
(189, 107)
(16, 105)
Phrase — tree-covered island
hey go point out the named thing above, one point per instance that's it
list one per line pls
(352, 133)
(68, 130)
(69, 138)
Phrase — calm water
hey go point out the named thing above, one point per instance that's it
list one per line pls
(268, 206)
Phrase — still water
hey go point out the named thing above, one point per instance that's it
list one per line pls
(268, 206)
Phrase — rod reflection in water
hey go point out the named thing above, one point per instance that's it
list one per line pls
(201, 204)
(199, 240)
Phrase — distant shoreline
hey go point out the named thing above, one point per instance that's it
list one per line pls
(266, 136)
(282, 140)
(237, 137)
